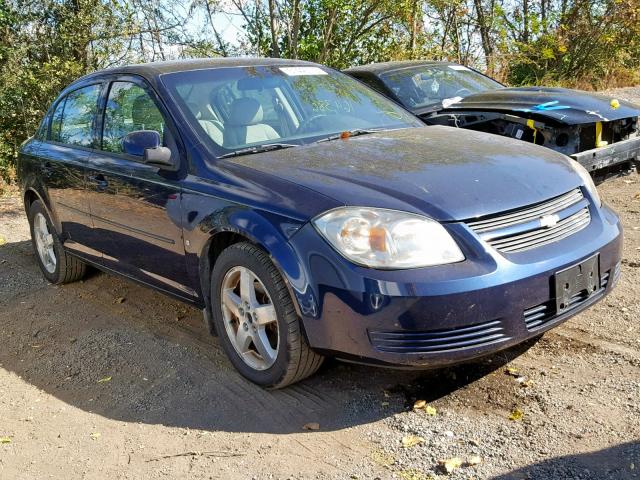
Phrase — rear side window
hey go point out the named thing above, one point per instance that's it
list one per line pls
(129, 108)
(73, 119)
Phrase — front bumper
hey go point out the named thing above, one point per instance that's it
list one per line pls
(447, 314)
(601, 157)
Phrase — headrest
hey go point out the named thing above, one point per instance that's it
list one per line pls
(245, 111)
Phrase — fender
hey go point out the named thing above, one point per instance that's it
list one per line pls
(270, 231)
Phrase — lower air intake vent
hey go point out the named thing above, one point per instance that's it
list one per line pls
(434, 341)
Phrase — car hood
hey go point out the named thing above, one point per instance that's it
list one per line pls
(444, 172)
(571, 107)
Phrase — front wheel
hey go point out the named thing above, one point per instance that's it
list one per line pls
(254, 315)
(56, 264)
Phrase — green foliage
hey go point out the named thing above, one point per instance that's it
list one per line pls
(592, 45)
(46, 44)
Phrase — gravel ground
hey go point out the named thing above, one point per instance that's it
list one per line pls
(107, 379)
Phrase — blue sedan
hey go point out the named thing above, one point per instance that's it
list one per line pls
(308, 216)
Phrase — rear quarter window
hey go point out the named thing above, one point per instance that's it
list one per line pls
(73, 120)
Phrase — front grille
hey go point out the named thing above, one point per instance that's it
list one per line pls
(543, 313)
(521, 230)
(435, 341)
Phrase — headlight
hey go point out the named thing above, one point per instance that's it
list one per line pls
(387, 239)
(588, 181)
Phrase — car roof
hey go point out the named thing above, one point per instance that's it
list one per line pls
(155, 69)
(384, 67)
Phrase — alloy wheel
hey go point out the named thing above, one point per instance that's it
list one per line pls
(250, 318)
(44, 242)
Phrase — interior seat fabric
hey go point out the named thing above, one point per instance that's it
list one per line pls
(245, 126)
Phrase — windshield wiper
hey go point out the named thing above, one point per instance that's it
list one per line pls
(258, 149)
(351, 133)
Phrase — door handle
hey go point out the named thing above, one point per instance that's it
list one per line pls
(101, 183)
(47, 169)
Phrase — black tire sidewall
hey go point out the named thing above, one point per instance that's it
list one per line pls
(35, 208)
(246, 257)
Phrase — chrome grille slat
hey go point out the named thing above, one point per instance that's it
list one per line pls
(524, 215)
(552, 235)
(584, 213)
(571, 223)
(517, 231)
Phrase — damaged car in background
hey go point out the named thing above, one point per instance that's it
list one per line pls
(600, 132)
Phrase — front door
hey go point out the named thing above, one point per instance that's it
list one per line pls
(136, 207)
(64, 154)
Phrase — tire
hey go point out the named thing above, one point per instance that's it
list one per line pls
(63, 268)
(293, 360)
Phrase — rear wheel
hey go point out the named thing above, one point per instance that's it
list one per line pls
(258, 325)
(56, 265)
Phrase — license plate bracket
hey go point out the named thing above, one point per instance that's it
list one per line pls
(583, 278)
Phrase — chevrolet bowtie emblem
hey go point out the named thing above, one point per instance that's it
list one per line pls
(549, 221)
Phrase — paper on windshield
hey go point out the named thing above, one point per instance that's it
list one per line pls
(458, 67)
(298, 71)
(450, 101)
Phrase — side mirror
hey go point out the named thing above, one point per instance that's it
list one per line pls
(148, 145)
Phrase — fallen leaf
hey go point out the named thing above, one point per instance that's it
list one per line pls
(120, 300)
(104, 380)
(450, 464)
(5, 440)
(2, 241)
(382, 458)
(422, 405)
(475, 460)
(411, 441)
(311, 426)
(418, 404)
(512, 371)
(413, 474)
(516, 415)
(95, 435)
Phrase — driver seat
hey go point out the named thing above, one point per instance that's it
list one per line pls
(245, 125)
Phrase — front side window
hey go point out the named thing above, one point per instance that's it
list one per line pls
(242, 107)
(426, 85)
(73, 119)
(129, 108)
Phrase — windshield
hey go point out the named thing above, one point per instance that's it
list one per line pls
(241, 107)
(427, 85)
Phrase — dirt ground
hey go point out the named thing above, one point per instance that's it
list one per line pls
(107, 379)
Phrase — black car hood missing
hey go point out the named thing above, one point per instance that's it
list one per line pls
(571, 107)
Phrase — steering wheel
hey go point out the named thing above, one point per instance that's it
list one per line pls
(463, 92)
(309, 121)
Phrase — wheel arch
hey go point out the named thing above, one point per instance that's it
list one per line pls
(31, 194)
(247, 225)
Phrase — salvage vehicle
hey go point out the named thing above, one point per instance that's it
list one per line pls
(601, 133)
(309, 216)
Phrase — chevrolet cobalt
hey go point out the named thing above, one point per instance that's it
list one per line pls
(309, 216)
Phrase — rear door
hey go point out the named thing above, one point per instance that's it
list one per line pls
(136, 207)
(64, 154)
